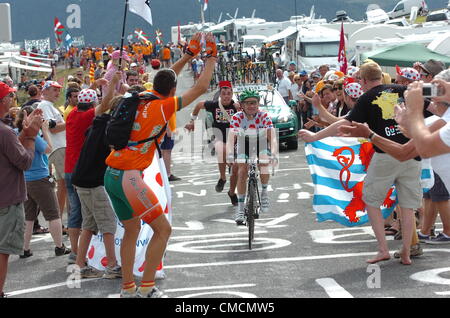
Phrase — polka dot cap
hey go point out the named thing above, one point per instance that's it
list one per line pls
(409, 73)
(88, 96)
(354, 90)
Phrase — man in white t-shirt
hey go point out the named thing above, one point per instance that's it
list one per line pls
(283, 86)
(50, 94)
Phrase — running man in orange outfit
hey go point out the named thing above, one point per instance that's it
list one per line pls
(132, 199)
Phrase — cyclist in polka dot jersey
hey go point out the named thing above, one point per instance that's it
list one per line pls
(246, 121)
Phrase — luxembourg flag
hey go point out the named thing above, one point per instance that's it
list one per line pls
(156, 178)
(338, 167)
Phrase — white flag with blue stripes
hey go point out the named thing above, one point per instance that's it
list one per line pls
(338, 167)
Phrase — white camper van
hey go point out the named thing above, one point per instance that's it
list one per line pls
(317, 46)
(404, 7)
(252, 44)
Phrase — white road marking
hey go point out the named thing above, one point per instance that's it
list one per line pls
(333, 289)
(286, 259)
(191, 226)
(217, 204)
(193, 237)
(40, 288)
(446, 293)
(432, 276)
(180, 290)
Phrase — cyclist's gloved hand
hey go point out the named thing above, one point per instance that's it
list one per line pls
(211, 47)
(194, 45)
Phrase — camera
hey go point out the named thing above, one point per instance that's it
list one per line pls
(431, 90)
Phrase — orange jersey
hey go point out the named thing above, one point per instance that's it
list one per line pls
(151, 118)
(166, 54)
(98, 55)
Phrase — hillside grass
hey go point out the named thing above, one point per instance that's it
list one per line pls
(22, 95)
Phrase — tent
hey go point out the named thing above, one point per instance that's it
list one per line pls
(404, 55)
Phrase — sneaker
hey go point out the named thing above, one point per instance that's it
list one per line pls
(220, 184)
(72, 258)
(154, 293)
(111, 273)
(233, 198)
(440, 239)
(60, 251)
(26, 254)
(416, 250)
(160, 275)
(3, 295)
(239, 216)
(90, 272)
(265, 204)
(124, 294)
(174, 178)
(422, 237)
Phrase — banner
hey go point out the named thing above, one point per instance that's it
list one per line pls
(338, 167)
(156, 178)
(42, 45)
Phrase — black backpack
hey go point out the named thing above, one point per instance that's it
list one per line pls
(121, 123)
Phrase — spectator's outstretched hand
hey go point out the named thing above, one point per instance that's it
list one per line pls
(307, 135)
(211, 47)
(414, 98)
(194, 47)
(354, 130)
(445, 86)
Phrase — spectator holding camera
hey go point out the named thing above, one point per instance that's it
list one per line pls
(50, 94)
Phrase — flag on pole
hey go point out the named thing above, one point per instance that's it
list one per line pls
(68, 41)
(59, 30)
(342, 59)
(92, 73)
(205, 5)
(142, 8)
(158, 37)
(141, 35)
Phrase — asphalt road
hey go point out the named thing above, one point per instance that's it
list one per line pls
(293, 255)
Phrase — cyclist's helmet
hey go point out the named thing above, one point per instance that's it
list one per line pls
(248, 93)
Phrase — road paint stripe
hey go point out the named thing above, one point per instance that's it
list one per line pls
(446, 293)
(179, 290)
(333, 289)
(285, 259)
(36, 289)
(193, 237)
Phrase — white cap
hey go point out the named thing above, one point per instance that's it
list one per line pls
(133, 64)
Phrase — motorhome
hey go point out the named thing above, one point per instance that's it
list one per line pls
(403, 8)
(267, 29)
(252, 44)
(374, 14)
(441, 45)
(187, 31)
(386, 31)
(440, 15)
(314, 46)
(425, 39)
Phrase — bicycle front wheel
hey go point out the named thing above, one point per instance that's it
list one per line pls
(251, 211)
